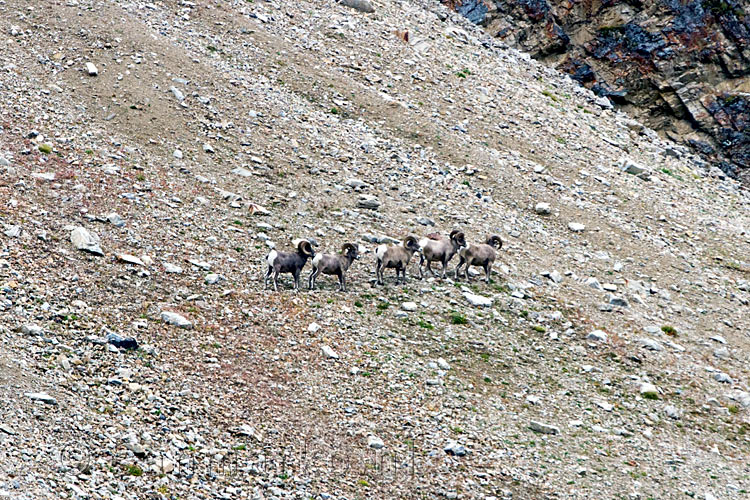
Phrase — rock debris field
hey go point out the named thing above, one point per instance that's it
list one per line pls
(151, 154)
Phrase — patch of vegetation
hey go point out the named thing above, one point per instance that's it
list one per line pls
(669, 330)
(134, 470)
(463, 73)
(650, 395)
(733, 409)
(45, 148)
(425, 324)
(383, 305)
(539, 328)
(239, 447)
(357, 304)
(458, 319)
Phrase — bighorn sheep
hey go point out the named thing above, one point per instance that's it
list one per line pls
(479, 255)
(438, 248)
(334, 265)
(288, 262)
(396, 257)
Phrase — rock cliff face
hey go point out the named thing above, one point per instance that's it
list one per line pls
(682, 66)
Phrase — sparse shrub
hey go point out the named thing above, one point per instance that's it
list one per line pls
(669, 330)
(45, 148)
(458, 319)
(134, 470)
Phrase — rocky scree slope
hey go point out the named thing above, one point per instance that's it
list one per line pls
(681, 67)
(610, 361)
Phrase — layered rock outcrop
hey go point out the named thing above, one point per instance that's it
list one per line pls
(681, 66)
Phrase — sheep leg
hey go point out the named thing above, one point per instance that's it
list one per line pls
(429, 268)
(378, 278)
(458, 267)
(487, 271)
(466, 273)
(445, 266)
(311, 279)
(421, 261)
(342, 282)
(266, 277)
(296, 280)
(275, 280)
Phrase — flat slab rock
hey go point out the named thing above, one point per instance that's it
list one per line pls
(543, 428)
(41, 396)
(172, 318)
(477, 300)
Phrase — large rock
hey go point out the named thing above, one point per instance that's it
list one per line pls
(173, 318)
(85, 240)
(360, 5)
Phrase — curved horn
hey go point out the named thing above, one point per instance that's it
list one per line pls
(305, 247)
(495, 240)
(348, 247)
(453, 233)
(410, 241)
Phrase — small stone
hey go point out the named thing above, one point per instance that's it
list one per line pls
(130, 259)
(31, 329)
(177, 94)
(651, 345)
(41, 396)
(360, 5)
(172, 269)
(208, 148)
(313, 327)
(649, 391)
(212, 278)
(723, 378)
(597, 335)
(355, 183)
(618, 301)
(672, 412)
(721, 353)
(425, 221)
(115, 220)
(13, 231)
(553, 275)
(368, 202)
(329, 353)
(91, 69)
(172, 318)
(576, 227)
(409, 306)
(455, 449)
(593, 283)
(84, 240)
(121, 342)
(177, 154)
(543, 209)
(543, 428)
(375, 442)
(443, 364)
(477, 300)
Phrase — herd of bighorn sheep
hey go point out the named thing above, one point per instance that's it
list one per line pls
(432, 248)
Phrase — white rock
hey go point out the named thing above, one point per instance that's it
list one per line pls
(543, 208)
(543, 428)
(313, 327)
(649, 390)
(31, 329)
(329, 353)
(41, 396)
(171, 268)
(409, 306)
(13, 231)
(593, 283)
(91, 69)
(177, 93)
(375, 442)
(84, 240)
(173, 318)
(576, 227)
(443, 364)
(651, 345)
(212, 278)
(597, 335)
(130, 259)
(477, 300)
(177, 154)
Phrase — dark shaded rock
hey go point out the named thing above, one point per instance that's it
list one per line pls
(121, 342)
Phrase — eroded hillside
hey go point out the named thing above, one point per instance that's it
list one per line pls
(612, 361)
